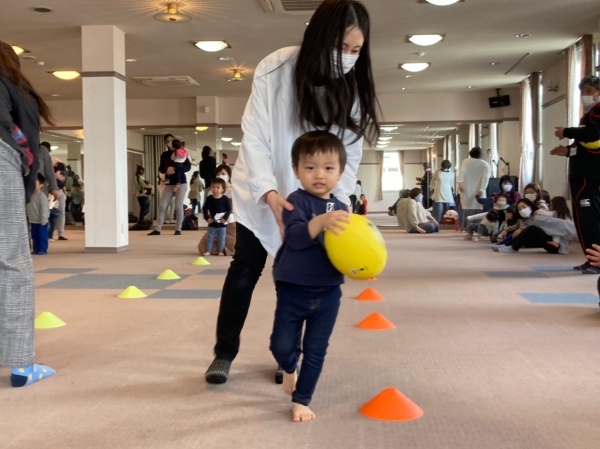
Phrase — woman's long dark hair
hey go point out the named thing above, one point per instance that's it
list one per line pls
(10, 67)
(315, 67)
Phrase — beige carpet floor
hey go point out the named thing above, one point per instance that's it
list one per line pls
(489, 368)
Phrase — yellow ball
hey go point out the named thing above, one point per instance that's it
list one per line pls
(359, 251)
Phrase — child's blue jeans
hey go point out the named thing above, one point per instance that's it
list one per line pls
(39, 236)
(296, 305)
(219, 233)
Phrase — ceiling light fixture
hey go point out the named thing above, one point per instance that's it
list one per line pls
(522, 35)
(201, 128)
(172, 15)
(65, 74)
(226, 139)
(225, 58)
(415, 66)
(18, 50)
(212, 46)
(425, 39)
(131, 60)
(54, 147)
(442, 2)
(494, 63)
(385, 138)
(237, 76)
(388, 129)
(236, 144)
(381, 146)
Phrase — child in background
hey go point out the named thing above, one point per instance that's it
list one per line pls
(307, 284)
(216, 210)
(361, 207)
(487, 223)
(510, 219)
(38, 214)
(179, 156)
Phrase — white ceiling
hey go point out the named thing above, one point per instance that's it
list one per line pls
(477, 32)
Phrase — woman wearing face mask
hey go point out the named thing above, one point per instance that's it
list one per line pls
(418, 220)
(525, 211)
(327, 84)
(533, 193)
(507, 189)
(584, 168)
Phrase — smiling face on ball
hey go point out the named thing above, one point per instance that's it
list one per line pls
(319, 173)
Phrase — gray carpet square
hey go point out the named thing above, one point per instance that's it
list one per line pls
(515, 274)
(111, 281)
(551, 268)
(66, 270)
(186, 294)
(214, 271)
(560, 298)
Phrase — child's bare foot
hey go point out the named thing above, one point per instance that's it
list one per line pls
(301, 413)
(221, 254)
(206, 253)
(555, 244)
(289, 382)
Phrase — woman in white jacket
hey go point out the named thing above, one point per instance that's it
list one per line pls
(326, 83)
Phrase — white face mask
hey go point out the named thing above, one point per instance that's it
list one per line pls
(419, 198)
(507, 187)
(525, 212)
(588, 101)
(531, 197)
(348, 62)
(224, 177)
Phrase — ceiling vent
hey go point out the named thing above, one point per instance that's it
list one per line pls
(290, 6)
(166, 81)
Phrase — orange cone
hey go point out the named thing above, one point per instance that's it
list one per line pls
(391, 405)
(370, 294)
(377, 322)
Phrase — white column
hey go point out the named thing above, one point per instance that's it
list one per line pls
(105, 131)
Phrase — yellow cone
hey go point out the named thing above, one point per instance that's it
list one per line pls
(168, 275)
(47, 320)
(132, 292)
(200, 261)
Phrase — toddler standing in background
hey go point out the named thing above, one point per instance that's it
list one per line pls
(38, 214)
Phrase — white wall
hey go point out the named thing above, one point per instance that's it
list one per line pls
(554, 168)
(509, 147)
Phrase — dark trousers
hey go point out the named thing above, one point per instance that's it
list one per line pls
(144, 203)
(243, 274)
(585, 195)
(318, 308)
(353, 203)
(39, 236)
(533, 237)
(195, 205)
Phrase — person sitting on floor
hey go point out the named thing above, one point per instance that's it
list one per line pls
(418, 220)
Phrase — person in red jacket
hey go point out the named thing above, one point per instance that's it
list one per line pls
(361, 207)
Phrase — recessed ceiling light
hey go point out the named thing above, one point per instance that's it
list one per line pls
(415, 66)
(442, 2)
(226, 139)
(236, 144)
(18, 50)
(522, 35)
(494, 63)
(388, 129)
(407, 76)
(212, 46)
(381, 146)
(225, 58)
(306, 23)
(201, 128)
(131, 60)
(42, 9)
(404, 88)
(55, 95)
(54, 147)
(425, 39)
(65, 74)
(470, 87)
(385, 138)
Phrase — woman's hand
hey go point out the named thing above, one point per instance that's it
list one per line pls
(559, 132)
(516, 233)
(277, 203)
(170, 170)
(421, 230)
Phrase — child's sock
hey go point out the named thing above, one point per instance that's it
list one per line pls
(27, 375)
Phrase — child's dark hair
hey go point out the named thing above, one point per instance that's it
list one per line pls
(512, 210)
(501, 195)
(492, 216)
(177, 144)
(314, 142)
(41, 179)
(559, 205)
(546, 196)
(414, 192)
(219, 181)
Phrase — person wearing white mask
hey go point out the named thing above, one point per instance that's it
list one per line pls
(418, 220)
(584, 168)
(326, 84)
(507, 188)
(533, 192)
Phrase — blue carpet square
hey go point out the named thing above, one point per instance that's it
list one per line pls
(552, 268)
(66, 270)
(214, 271)
(186, 294)
(560, 298)
(111, 281)
(515, 274)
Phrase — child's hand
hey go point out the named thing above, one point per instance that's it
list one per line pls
(334, 221)
(210, 220)
(516, 233)
(223, 221)
(176, 188)
(421, 230)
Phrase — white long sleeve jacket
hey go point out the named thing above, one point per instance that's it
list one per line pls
(270, 125)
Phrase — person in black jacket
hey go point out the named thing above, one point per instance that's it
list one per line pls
(208, 168)
(20, 111)
(584, 168)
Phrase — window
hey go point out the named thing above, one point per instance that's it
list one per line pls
(391, 179)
